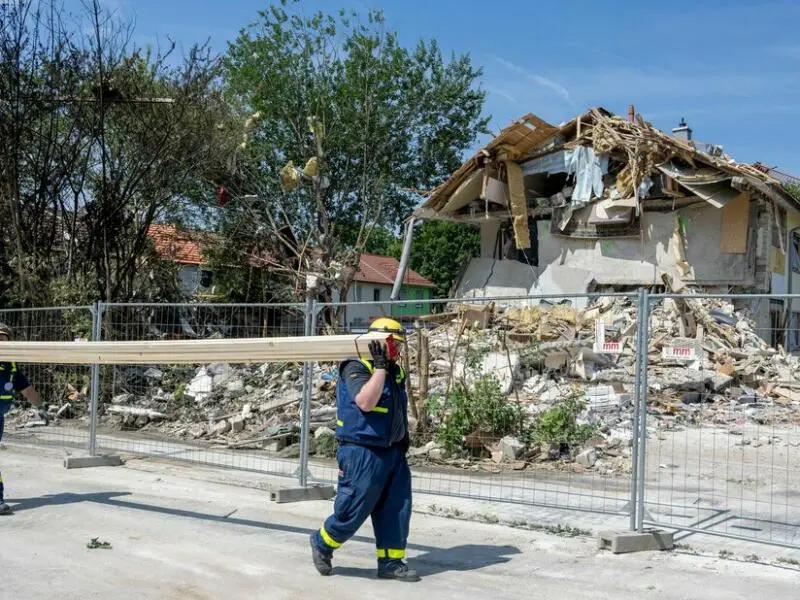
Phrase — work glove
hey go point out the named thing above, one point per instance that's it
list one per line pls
(378, 352)
(41, 411)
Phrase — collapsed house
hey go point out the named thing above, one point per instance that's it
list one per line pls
(604, 204)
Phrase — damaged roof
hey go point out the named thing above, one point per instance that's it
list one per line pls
(645, 148)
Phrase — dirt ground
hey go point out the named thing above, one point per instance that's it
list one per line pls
(181, 532)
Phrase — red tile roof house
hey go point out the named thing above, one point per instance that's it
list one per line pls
(184, 248)
(373, 283)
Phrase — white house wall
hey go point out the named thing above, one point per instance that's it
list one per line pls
(634, 261)
(363, 292)
(568, 265)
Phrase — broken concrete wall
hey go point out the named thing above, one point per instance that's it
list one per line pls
(486, 277)
(569, 265)
(635, 261)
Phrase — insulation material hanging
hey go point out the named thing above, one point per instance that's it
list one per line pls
(588, 169)
(735, 222)
(519, 206)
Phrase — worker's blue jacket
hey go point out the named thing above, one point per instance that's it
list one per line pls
(386, 424)
(11, 380)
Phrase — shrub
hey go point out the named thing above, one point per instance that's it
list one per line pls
(559, 424)
(480, 408)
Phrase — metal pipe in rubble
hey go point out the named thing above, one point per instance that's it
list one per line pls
(97, 317)
(305, 409)
(401, 271)
(643, 388)
(635, 430)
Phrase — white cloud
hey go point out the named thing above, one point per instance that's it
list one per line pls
(537, 79)
(497, 91)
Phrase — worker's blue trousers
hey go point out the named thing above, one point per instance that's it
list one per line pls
(2, 423)
(373, 482)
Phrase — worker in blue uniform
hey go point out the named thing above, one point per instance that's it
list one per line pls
(374, 478)
(13, 380)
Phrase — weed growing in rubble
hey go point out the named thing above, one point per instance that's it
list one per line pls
(559, 424)
(481, 408)
(179, 392)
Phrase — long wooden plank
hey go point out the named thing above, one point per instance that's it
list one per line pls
(248, 350)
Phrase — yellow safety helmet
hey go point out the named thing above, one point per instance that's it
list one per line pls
(386, 325)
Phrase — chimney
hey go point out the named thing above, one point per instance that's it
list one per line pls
(631, 113)
(682, 131)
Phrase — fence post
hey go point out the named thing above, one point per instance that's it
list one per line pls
(643, 392)
(97, 317)
(637, 392)
(305, 404)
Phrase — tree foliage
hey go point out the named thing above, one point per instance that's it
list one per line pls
(378, 120)
(101, 139)
(441, 249)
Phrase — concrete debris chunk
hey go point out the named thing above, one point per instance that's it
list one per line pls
(511, 448)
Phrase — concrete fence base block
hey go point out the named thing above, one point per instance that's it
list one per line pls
(82, 462)
(300, 494)
(620, 542)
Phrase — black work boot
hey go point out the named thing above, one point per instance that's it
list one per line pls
(5, 509)
(397, 570)
(322, 561)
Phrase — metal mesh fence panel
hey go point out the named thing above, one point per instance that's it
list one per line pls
(64, 388)
(240, 416)
(525, 400)
(723, 442)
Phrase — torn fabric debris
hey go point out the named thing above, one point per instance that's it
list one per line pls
(588, 169)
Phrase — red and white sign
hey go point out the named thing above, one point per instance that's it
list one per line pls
(679, 352)
(608, 348)
(601, 346)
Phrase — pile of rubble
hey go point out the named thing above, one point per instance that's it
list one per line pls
(239, 407)
(706, 364)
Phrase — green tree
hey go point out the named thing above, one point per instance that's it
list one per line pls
(100, 139)
(377, 120)
(441, 249)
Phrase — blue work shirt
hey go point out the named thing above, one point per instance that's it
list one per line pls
(11, 380)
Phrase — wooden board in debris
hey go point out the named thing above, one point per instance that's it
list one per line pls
(248, 350)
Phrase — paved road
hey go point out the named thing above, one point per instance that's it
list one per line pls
(181, 532)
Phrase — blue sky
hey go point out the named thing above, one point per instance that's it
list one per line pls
(731, 68)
